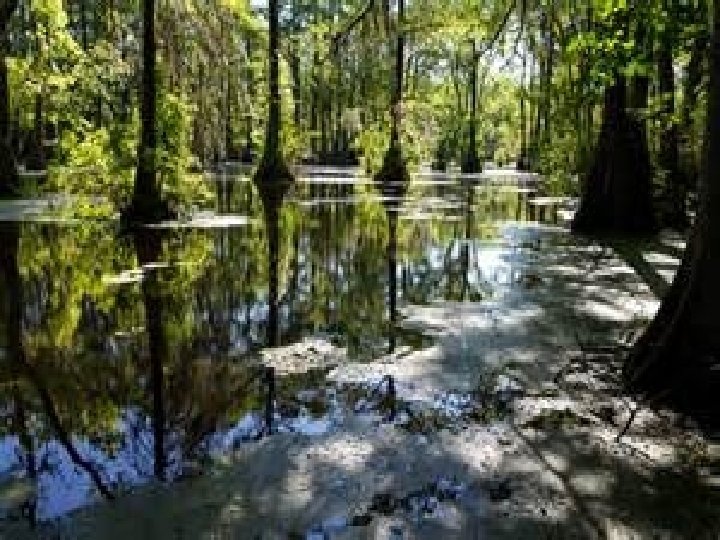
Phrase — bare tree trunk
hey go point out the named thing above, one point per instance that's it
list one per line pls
(9, 178)
(273, 176)
(679, 354)
(146, 205)
(471, 163)
(617, 197)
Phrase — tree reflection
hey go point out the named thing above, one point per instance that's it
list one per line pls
(23, 369)
(392, 262)
(148, 244)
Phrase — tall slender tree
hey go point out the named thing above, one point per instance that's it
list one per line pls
(147, 205)
(9, 179)
(273, 176)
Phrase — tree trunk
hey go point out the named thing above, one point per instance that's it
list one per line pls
(679, 354)
(9, 178)
(674, 211)
(273, 176)
(471, 163)
(36, 159)
(147, 205)
(393, 176)
(691, 90)
(617, 191)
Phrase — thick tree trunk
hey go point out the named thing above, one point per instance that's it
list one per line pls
(393, 176)
(9, 179)
(147, 205)
(273, 176)
(617, 191)
(674, 210)
(679, 354)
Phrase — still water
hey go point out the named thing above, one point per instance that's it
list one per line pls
(111, 341)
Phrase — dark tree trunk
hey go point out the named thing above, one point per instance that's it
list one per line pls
(471, 163)
(84, 25)
(523, 157)
(148, 245)
(9, 178)
(679, 354)
(393, 176)
(248, 153)
(674, 208)
(147, 205)
(314, 105)
(36, 159)
(273, 176)
(617, 191)
(691, 91)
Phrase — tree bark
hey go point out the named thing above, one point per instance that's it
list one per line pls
(273, 176)
(471, 163)
(147, 205)
(9, 178)
(393, 176)
(678, 355)
(617, 191)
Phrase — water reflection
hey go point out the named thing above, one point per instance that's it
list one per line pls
(143, 349)
(148, 245)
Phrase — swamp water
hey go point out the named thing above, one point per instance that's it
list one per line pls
(98, 308)
(405, 330)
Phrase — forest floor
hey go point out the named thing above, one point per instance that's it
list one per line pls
(506, 426)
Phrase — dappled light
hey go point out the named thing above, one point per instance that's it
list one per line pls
(326, 270)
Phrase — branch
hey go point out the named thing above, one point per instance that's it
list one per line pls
(499, 31)
(351, 26)
(62, 435)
